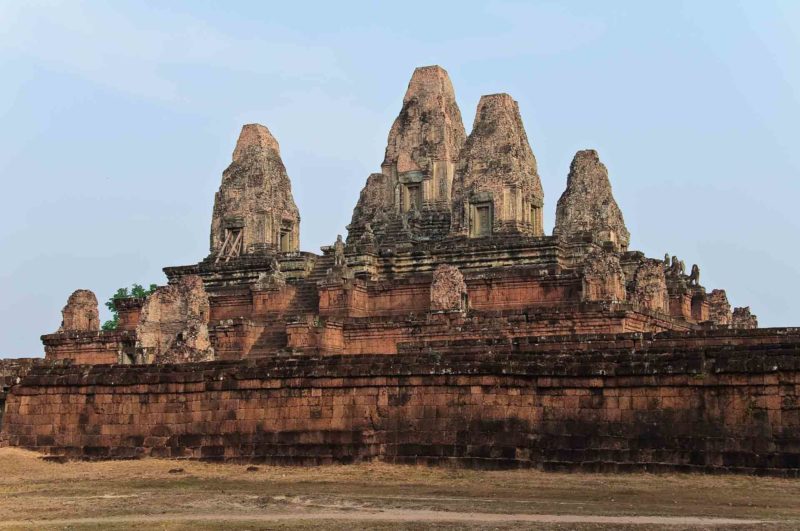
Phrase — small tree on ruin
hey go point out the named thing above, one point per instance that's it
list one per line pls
(136, 290)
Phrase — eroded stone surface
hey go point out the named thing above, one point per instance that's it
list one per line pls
(448, 289)
(650, 286)
(429, 127)
(603, 278)
(588, 206)
(719, 309)
(412, 194)
(80, 313)
(742, 319)
(376, 200)
(254, 210)
(497, 170)
(173, 326)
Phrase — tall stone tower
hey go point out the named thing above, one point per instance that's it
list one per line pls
(254, 212)
(418, 167)
(587, 207)
(497, 188)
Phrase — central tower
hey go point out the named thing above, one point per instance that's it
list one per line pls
(413, 190)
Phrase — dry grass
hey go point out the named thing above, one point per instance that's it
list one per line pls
(116, 494)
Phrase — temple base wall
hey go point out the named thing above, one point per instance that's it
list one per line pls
(89, 347)
(728, 403)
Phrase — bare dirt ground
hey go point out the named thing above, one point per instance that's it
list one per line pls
(35, 494)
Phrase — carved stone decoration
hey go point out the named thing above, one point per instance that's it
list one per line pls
(173, 326)
(80, 313)
(588, 206)
(677, 268)
(497, 187)
(272, 279)
(719, 309)
(742, 319)
(650, 286)
(339, 272)
(254, 210)
(338, 252)
(603, 278)
(448, 289)
(694, 276)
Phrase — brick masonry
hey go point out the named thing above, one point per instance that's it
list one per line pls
(720, 402)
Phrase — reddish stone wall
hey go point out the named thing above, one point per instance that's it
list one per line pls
(233, 304)
(382, 336)
(520, 292)
(88, 347)
(129, 310)
(704, 401)
(11, 372)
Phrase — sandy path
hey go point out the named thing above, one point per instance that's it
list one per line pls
(392, 515)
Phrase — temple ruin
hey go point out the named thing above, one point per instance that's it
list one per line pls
(446, 257)
(472, 203)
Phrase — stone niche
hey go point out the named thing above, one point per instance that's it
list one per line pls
(497, 188)
(650, 286)
(448, 290)
(254, 211)
(80, 313)
(173, 326)
(603, 278)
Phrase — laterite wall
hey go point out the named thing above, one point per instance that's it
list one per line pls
(704, 401)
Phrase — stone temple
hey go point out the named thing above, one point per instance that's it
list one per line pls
(447, 326)
(470, 205)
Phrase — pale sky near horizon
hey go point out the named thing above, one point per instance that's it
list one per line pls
(118, 118)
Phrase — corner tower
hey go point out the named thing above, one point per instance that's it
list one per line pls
(497, 188)
(254, 212)
(587, 206)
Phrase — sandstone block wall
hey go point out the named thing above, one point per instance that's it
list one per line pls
(89, 347)
(724, 403)
(11, 372)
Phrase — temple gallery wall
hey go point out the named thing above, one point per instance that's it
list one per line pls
(446, 326)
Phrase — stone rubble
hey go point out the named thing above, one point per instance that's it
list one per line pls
(173, 327)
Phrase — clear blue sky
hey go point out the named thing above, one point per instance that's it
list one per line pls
(117, 119)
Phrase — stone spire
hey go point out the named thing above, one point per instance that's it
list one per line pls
(429, 126)
(254, 211)
(497, 187)
(588, 206)
(254, 136)
(418, 167)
